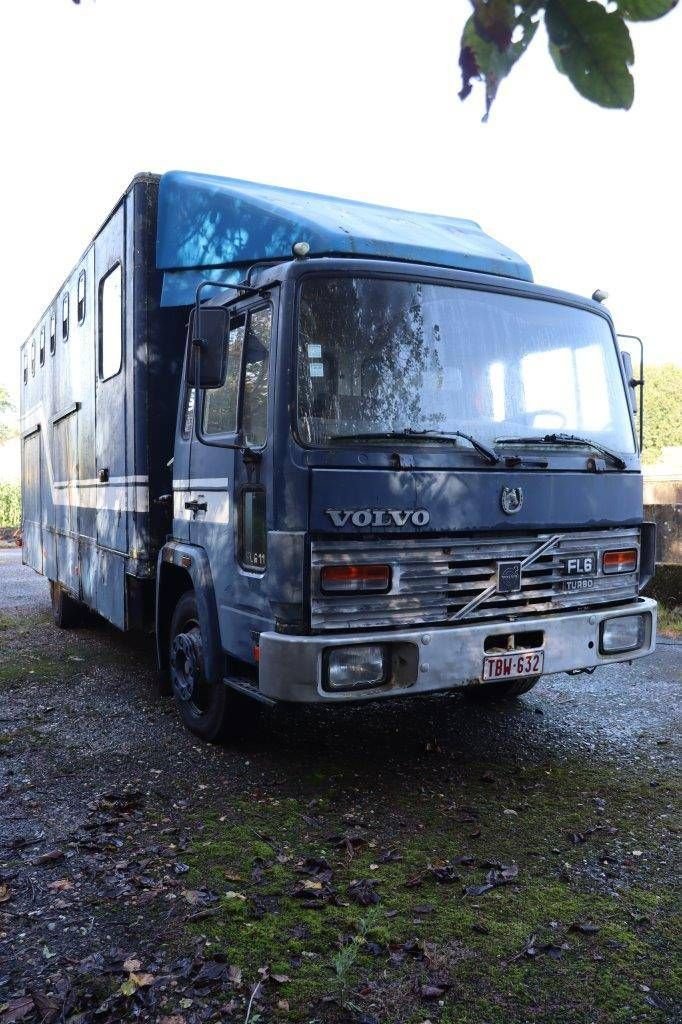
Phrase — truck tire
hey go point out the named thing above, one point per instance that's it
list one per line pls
(490, 692)
(67, 612)
(210, 710)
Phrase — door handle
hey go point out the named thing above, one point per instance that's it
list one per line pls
(196, 506)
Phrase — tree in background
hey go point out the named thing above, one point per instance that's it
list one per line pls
(662, 409)
(5, 406)
(589, 42)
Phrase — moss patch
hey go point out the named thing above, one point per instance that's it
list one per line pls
(584, 932)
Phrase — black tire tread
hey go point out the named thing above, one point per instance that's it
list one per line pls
(231, 715)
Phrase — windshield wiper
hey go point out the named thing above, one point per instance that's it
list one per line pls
(435, 435)
(567, 441)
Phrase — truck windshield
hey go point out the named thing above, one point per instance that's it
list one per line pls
(378, 355)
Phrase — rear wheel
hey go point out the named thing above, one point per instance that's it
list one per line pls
(210, 710)
(490, 692)
(67, 612)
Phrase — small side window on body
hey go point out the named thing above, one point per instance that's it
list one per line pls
(42, 345)
(65, 317)
(53, 332)
(253, 529)
(81, 297)
(110, 324)
(25, 367)
(33, 357)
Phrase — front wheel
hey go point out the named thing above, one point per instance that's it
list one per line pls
(490, 692)
(209, 710)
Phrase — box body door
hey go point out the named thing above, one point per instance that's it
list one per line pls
(111, 465)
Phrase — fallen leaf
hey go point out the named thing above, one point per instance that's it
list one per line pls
(49, 857)
(585, 928)
(4, 893)
(142, 980)
(281, 979)
(234, 974)
(444, 872)
(131, 965)
(61, 885)
(363, 892)
(47, 1008)
(17, 1009)
(431, 991)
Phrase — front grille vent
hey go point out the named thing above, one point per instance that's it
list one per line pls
(436, 581)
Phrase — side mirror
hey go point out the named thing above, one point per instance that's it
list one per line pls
(634, 382)
(630, 377)
(207, 358)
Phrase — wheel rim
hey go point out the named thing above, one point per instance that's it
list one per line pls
(187, 669)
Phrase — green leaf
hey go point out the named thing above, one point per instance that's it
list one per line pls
(495, 20)
(645, 10)
(481, 57)
(593, 48)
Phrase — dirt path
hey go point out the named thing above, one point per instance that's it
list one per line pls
(429, 861)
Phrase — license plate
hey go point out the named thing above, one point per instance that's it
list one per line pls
(579, 565)
(512, 666)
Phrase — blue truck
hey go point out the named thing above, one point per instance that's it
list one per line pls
(328, 452)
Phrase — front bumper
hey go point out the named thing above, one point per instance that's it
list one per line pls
(449, 657)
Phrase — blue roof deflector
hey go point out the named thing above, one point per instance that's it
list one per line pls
(211, 227)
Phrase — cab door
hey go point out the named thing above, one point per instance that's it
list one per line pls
(230, 473)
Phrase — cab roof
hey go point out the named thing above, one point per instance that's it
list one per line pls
(206, 223)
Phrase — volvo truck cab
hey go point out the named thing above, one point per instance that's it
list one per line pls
(403, 479)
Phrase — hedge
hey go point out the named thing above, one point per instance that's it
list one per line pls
(10, 504)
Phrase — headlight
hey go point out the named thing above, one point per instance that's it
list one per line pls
(357, 667)
(625, 633)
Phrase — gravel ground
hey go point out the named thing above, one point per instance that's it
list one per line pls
(102, 795)
(20, 587)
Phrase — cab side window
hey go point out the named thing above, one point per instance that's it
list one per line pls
(256, 377)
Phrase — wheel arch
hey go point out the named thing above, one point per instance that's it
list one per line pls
(183, 567)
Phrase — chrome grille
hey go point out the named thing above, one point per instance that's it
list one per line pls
(436, 580)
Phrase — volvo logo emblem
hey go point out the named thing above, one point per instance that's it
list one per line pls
(511, 500)
(378, 517)
(508, 577)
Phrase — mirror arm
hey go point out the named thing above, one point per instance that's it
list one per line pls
(245, 289)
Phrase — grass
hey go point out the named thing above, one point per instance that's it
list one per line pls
(670, 620)
(473, 945)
